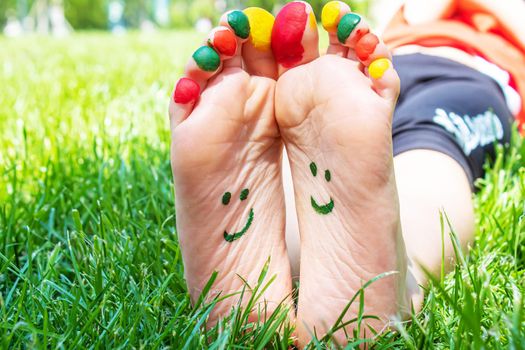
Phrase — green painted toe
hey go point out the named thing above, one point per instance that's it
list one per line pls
(207, 59)
(347, 26)
(239, 23)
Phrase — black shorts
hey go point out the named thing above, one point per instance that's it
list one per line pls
(450, 108)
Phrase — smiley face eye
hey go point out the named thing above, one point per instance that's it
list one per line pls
(244, 194)
(226, 198)
(313, 169)
(327, 175)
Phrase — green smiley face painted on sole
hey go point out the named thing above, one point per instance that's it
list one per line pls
(325, 208)
(230, 237)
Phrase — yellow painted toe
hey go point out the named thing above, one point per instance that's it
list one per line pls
(378, 68)
(330, 16)
(261, 24)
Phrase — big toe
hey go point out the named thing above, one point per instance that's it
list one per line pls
(295, 39)
(257, 51)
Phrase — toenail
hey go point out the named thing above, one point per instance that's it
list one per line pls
(330, 15)
(186, 91)
(207, 59)
(378, 68)
(261, 24)
(366, 46)
(240, 24)
(288, 34)
(224, 42)
(347, 26)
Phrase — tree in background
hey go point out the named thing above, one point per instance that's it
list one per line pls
(7, 7)
(184, 13)
(87, 14)
(137, 11)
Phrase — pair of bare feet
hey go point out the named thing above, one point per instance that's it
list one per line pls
(264, 86)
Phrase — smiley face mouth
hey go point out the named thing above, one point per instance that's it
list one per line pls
(322, 209)
(235, 236)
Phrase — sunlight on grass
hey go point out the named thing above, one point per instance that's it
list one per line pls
(88, 249)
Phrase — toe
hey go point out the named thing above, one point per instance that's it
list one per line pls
(204, 63)
(238, 22)
(256, 52)
(384, 79)
(187, 91)
(185, 95)
(239, 28)
(370, 48)
(351, 29)
(332, 14)
(224, 41)
(295, 37)
(375, 57)
(354, 33)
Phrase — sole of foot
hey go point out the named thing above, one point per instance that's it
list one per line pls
(336, 125)
(226, 157)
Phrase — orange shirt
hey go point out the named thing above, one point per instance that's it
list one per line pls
(474, 32)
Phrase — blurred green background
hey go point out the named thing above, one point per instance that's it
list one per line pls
(94, 14)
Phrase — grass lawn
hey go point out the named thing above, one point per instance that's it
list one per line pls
(88, 249)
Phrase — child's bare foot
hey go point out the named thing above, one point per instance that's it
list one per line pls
(226, 154)
(336, 125)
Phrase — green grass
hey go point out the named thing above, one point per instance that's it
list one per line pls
(88, 250)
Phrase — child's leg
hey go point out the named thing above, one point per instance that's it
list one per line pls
(429, 182)
(445, 125)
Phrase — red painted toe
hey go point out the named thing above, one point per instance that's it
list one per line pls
(186, 91)
(287, 34)
(224, 42)
(366, 46)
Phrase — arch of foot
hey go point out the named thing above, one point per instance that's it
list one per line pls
(354, 33)
(223, 44)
